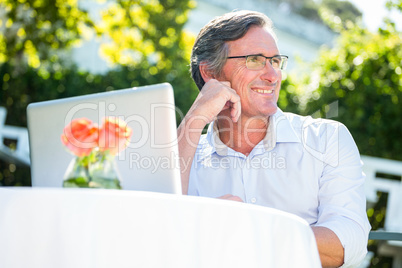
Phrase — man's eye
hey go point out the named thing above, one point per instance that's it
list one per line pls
(253, 58)
(276, 61)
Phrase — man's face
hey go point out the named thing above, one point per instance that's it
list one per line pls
(258, 89)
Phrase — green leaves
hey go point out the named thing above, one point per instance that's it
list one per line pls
(138, 31)
(145, 42)
(37, 30)
(363, 73)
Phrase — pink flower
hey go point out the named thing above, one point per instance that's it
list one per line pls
(114, 135)
(80, 136)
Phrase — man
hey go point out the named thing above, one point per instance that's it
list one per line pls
(255, 153)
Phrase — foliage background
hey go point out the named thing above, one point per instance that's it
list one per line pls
(144, 41)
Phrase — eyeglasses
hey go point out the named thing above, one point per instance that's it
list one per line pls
(257, 62)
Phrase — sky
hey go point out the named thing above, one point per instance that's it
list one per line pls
(374, 11)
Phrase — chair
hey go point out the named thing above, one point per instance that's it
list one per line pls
(378, 173)
(21, 154)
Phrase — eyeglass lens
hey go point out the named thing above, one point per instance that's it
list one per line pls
(256, 62)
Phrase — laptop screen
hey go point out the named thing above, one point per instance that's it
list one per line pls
(149, 161)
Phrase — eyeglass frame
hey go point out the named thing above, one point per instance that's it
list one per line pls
(283, 58)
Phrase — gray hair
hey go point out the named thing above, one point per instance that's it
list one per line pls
(210, 46)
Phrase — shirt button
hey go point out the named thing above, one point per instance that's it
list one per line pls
(253, 200)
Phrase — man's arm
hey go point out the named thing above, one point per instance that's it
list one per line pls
(188, 134)
(342, 203)
(214, 97)
(329, 247)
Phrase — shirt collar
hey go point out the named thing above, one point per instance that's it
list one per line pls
(279, 130)
(285, 131)
(219, 146)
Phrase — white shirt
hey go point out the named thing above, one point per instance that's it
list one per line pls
(308, 167)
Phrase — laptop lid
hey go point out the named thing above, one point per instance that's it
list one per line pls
(149, 163)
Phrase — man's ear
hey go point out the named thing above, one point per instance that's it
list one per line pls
(205, 73)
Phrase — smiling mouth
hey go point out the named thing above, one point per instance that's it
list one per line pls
(263, 91)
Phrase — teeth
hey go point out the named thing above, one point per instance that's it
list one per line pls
(264, 91)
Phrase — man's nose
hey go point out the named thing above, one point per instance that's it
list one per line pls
(269, 73)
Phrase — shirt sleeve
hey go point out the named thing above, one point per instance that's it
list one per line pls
(342, 202)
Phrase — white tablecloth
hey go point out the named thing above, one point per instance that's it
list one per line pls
(55, 228)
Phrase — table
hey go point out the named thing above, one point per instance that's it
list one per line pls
(55, 227)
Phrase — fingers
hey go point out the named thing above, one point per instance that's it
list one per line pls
(231, 197)
(233, 102)
(215, 97)
(226, 83)
(236, 110)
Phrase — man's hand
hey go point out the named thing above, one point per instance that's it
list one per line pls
(231, 197)
(215, 97)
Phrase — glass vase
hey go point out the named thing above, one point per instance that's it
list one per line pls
(103, 172)
(76, 175)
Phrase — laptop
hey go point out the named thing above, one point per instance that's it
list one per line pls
(149, 163)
